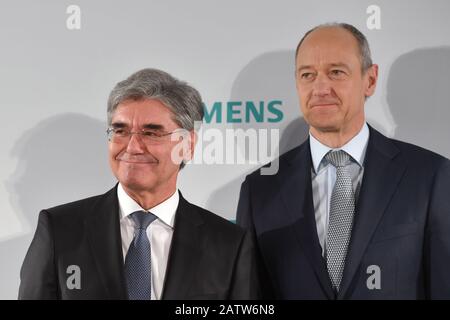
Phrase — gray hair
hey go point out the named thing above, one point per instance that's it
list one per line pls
(364, 50)
(183, 100)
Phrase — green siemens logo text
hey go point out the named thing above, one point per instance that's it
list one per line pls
(244, 111)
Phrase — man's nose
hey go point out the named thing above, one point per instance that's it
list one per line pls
(135, 144)
(322, 86)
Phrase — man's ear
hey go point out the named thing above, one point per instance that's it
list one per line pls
(183, 150)
(372, 78)
(192, 141)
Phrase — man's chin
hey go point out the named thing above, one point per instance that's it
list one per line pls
(138, 180)
(325, 126)
(137, 185)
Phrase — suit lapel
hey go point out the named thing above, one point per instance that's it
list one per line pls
(296, 189)
(383, 171)
(103, 228)
(185, 252)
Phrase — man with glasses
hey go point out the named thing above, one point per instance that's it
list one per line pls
(141, 240)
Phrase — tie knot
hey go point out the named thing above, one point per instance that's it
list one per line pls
(142, 219)
(338, 158)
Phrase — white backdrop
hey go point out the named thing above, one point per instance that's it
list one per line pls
(55, 81)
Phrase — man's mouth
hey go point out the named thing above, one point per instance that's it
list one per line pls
(137, 160)
(323, 104)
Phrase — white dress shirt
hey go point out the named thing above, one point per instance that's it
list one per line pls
(323, 177)
(159, 233)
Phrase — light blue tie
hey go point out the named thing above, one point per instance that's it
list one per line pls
(138, 259)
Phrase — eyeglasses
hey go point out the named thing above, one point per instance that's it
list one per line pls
(121, 135)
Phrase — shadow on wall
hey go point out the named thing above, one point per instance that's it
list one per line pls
(62, 159)
(418, 97)
(266, 78)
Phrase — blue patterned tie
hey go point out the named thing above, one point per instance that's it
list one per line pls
(138, 259)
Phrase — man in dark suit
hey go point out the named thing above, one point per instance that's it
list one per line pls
(350, 214)
(141, 239)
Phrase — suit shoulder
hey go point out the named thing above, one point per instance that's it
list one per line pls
(74, 207)
(419, 155)
(281, 163)
(216, 223)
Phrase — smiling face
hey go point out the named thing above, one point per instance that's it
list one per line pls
(330, 84)
(138, 165)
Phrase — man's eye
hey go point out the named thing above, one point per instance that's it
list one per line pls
(120, 132)
(150, 134)
(337, 72)
(306, 75)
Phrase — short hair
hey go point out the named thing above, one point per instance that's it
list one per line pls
(363, 44)
(182, 99)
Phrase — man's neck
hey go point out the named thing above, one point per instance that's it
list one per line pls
(148, 199)
(336, 139)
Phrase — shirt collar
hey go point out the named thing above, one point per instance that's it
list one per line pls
(356, 148)
(165, 211)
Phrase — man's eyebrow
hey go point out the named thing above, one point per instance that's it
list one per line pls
(340, 65)
(148, 126)
(153, 126)
(337, 64)
(303, 67)
(119, 125)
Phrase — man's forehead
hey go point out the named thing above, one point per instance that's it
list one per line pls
(325, 39)
(143, 116)
(328, 51)
(328, 34)
(143, 110)
(142, 105)
(329, 59)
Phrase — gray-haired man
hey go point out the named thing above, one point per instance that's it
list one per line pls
(141, 239)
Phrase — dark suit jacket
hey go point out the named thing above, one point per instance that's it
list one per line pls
(401, 225)
(210, 258)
